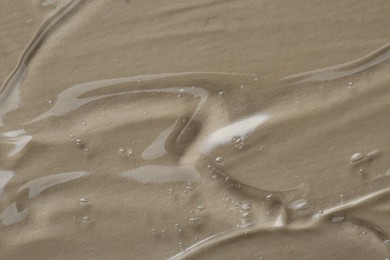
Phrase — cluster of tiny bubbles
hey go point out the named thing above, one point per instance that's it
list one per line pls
(194, 219)
(214, 177)
(79, 142)
(123, 151)
(246, 207)
(189, 187)
(221, 93)
(237, 203)
(357, 157)
(238, 142)
(178, 228)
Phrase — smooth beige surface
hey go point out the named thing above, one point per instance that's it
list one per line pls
(121, 126)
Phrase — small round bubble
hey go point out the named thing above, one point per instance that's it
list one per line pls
(219, 159)
(83, 200)
(86, 219)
